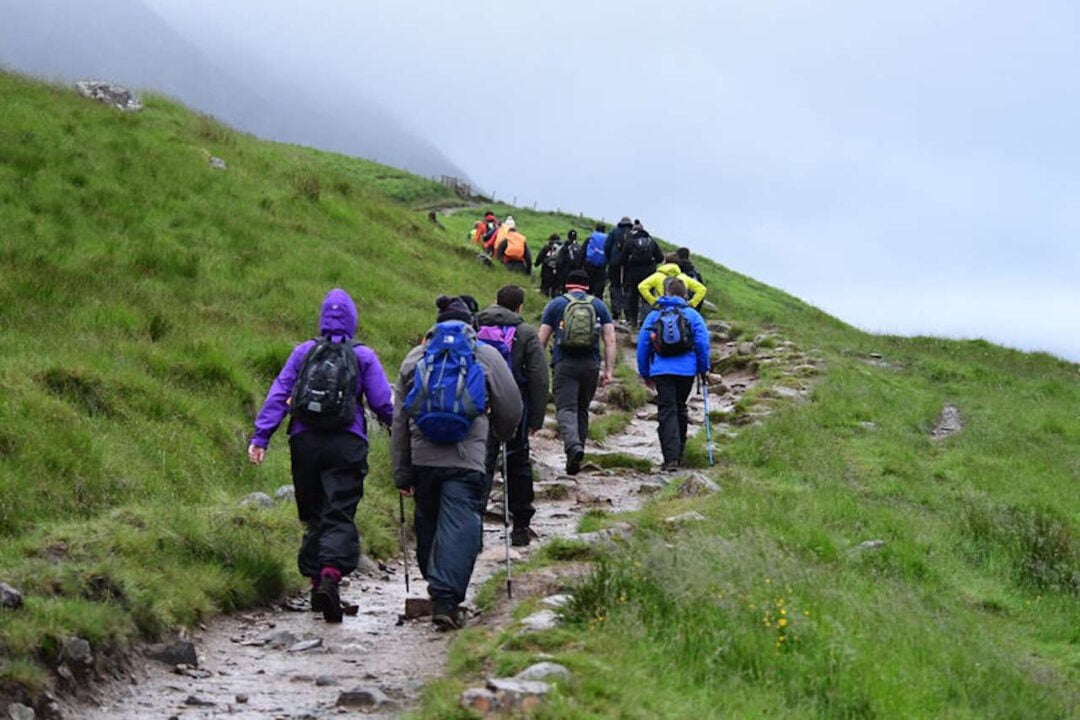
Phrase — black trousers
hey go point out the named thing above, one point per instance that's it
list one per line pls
(631, 297)
(672, 392)
(519, 467)
(328, 469)
(449, 528)
(548, 281)
(615, 278)
(575, 380)
(597, 279)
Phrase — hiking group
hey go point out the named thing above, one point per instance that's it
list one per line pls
(473, 392)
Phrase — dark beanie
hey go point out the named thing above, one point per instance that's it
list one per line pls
(578, 277)
(571, 235)
(452, 309)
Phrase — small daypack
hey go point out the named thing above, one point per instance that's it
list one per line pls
(551, 260)
(594, 251)
(638, 249)
(500, 337)
(448, 390)
(579, 325)
(515, 247)
(671, 333)
(570, 254)
(324, 395)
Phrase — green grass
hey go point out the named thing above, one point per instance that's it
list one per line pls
(147, 301)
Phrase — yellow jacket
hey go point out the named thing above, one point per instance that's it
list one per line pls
(652, 287)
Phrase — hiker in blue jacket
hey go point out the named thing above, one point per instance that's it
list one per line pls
(449, 478)
(596, 260)
(672, 349)
(328, 463)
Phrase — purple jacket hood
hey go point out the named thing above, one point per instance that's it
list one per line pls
(338, 314)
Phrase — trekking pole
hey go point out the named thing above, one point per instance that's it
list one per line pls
(708, 420)
(506, 519)
(404, 549)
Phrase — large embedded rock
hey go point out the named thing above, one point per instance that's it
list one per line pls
(697, 485)
(10, 597)
(545, 671)
(116, 95)
(180, 652)
(518, 695)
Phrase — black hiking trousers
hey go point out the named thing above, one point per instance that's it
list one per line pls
(449, 529)
(575, 380)
(519, 467)
(548, 281)
(328, 470)
(672, 392)
(636, 309)
(615, 278)
(597, 279)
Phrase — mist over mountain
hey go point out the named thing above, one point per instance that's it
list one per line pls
(126, 42)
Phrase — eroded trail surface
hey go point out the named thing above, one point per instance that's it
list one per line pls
(285, 662)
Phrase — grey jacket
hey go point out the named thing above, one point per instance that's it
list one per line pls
(527, 358)
(408, 446)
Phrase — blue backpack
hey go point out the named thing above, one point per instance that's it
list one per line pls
(671, 334)
(594, 252)
(449, 390)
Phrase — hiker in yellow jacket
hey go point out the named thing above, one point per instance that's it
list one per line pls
(652, 287)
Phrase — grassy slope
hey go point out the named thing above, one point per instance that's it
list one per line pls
(174, 292)
(146, 302)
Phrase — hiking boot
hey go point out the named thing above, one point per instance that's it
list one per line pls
(328, 598)
(519, 537)
(448, 617)
(670, 466)
(573, 461)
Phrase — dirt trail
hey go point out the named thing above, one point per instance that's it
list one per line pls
(252, 665)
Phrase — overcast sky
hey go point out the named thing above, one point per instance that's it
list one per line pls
(909, 167)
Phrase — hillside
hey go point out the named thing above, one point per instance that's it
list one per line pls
(147, 300)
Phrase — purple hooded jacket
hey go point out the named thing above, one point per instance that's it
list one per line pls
(337, 319)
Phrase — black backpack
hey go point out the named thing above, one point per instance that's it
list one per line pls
(671, 333)
(324, 395)
(639, 249)
(570, 255)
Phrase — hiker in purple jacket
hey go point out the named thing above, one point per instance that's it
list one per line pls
(328, 463)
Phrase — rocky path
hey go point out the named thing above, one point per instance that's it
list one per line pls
(285, 662)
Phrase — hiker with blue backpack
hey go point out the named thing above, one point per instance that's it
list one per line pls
(323, 385)
(596, 260)
(672, 349)
(452, 392)
(502, 327)
(577, 321)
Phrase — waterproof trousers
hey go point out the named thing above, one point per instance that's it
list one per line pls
(615, 279)
(548, 281)
(519, 467)
(449, 528)
(574, 381)
(636, 309)
(517, 266)
(672, 392)
(328, 469)
(597, 279)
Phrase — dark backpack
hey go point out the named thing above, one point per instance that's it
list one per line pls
(324, 395)
(449, 389)
(579, 326)
(551, 260)
(671, 333)
(594, 251)
(492, 228)
(570, 255)
(639, 249)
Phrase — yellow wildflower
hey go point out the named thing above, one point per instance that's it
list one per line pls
(782, 622)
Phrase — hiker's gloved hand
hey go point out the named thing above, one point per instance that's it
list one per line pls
(407, 491)
(256, 454)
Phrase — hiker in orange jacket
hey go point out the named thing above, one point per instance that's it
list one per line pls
(513, 251)
(504, 227)
(484, 231)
